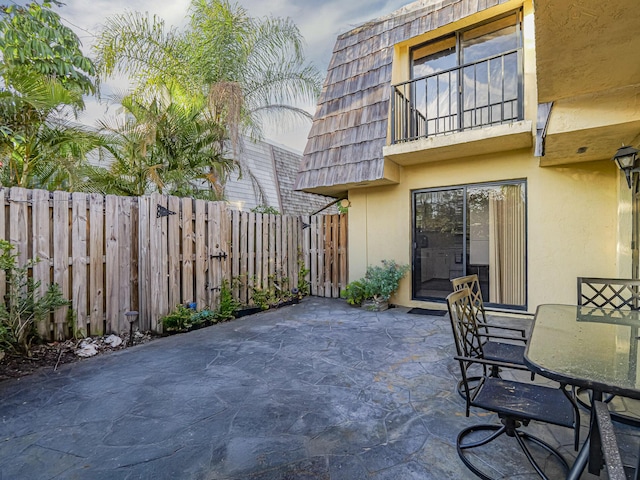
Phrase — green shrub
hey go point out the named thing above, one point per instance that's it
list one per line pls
(379, 283)
(382, 281)
(203, 317)
(179, 320)
(354, 292)
(304, 287)
(228, 305)
(23, 307)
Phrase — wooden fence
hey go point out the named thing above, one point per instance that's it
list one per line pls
(111, 255)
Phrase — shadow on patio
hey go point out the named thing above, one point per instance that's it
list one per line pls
(319, 390)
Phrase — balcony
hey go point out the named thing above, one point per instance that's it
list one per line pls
(472, 96)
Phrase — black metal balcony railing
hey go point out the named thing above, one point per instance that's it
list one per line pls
(474, 95)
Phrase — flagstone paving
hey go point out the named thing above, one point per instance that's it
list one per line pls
(319, 390)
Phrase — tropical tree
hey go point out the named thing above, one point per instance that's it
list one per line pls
(245, 69)
(160, 145)
(43, 77)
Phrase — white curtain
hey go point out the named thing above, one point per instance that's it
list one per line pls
(507, 245)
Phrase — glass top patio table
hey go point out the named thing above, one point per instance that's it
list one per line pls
(588, 347)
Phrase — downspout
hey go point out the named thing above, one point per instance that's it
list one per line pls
(542, 123)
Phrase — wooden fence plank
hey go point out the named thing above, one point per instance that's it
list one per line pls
(321, 247)
(96, 264)
(41, 231)
(3, 234)
(277, 274)
(112, 267)
(162, 225)
(225, 242)
(244, 256)
(61, 258)
(19, 226)
(306, 247)
(266, 253)
(124, 261)
(259, 252)
(144, 264)
(271, 248)
(201, 254)
(79, 267)
(335, 263)
(235, 252)
(188, 242)
(327, 255)
(313, 254)
(344, 263)
(173, 251)
(134, 263)
(295, 254)
(216, 253)
(251, 255)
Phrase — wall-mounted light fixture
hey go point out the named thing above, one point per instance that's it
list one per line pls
(625, 158)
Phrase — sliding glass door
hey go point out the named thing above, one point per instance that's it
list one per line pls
(471, 229)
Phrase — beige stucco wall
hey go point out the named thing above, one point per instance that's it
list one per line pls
(572, 220)
(578, 214)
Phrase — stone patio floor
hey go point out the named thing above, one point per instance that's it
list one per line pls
(319, 390)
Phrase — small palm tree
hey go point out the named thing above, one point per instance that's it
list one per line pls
(245, 69)
(41, 148)
(160, 145)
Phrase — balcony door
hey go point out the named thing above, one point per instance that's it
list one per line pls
(470, 79)
(471, 229)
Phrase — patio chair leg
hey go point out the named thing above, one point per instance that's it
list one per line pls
(509, 428)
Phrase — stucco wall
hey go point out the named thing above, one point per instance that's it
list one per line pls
(572, 220)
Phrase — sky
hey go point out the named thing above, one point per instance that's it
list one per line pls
(319, 21)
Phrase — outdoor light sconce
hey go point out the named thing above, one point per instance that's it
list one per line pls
(625, 158)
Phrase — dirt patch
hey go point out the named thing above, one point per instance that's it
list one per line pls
(50, 356)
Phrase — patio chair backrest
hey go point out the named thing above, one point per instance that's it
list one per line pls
(465, 333)
(463, 323)
(618, 293)
(473, 284)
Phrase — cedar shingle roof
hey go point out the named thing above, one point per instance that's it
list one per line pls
(350, 124)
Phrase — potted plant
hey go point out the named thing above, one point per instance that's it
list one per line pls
(379, 283)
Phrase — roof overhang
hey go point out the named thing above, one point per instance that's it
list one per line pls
(585, 47)
(586, 64)
(592, 127)
(390, 176)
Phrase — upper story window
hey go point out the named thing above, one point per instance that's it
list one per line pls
(470, 79)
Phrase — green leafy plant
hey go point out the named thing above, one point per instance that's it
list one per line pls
(378, 284)
(179, 320)
(228, 305)
(304, 287)
(203, 317)
(23, 307)
(354, 292)
(382, 281)
(261, 298)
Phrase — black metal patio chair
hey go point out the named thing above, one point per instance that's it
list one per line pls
(515, 403)
(619, 294)
(494, 346)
